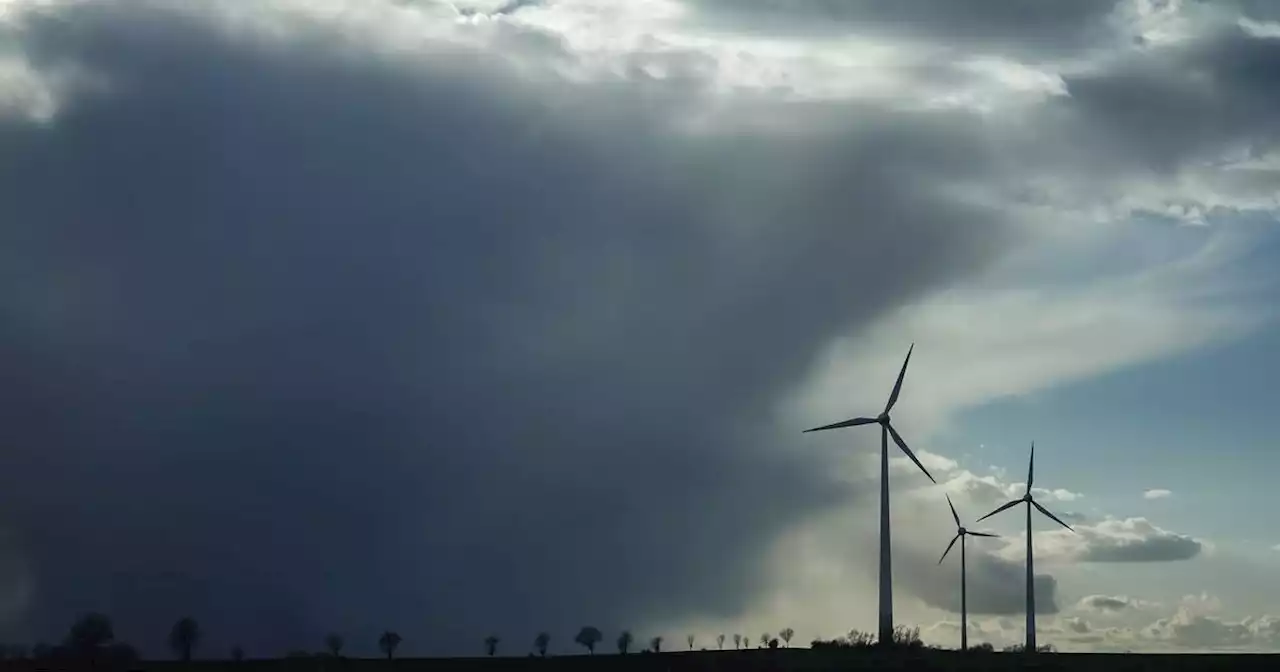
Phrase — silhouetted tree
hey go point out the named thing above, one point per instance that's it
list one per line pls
(764, 640)
(237, 653)
(89, 634)
(184, 637)
(624, 642)
(656, 644)
(690, 639)
(540, 643)
(589, 636)
(907, 637)
(388, 642)
(786, 635)
(985, 647)
(720, 641)
(1020, 648)
(773, 642)
(737, 641)
(333, 641)
(491, 644)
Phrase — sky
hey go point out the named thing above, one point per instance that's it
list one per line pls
(493, 317)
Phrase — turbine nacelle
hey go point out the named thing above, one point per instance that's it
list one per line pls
(887, 430)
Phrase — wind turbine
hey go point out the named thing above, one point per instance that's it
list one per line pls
(886, 430)
(1030, 645)
(961, 533)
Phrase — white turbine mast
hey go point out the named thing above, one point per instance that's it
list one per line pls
(1027, 499)
(886, 430)
(961, 533)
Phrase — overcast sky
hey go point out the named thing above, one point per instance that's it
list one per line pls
(494, 316)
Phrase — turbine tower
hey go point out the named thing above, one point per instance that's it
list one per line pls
(961, 533)
(1030, 646)
(886, 430)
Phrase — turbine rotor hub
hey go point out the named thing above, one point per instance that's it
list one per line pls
(883, 418)
(1026, 497)
(963, 531)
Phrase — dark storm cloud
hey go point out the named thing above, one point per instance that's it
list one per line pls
(1171, 105)
(301, 341)
(1033, 27)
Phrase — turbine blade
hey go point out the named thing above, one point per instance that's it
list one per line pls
(847, 423)
(1046, 512)
(953, 543)
(903, 445)
(1010, 505)
(1031, 467)
(897, 387)
(954, 515)
(984, 534)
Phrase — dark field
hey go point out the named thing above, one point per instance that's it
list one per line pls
(781, 660)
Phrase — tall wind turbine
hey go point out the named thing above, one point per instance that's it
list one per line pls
(1031, 589)
(886, 430)
(961, 533)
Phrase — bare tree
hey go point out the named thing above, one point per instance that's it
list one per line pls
(333, 641)
(540, 643)
(588, 637)
(656, 644)
(184, 637)
(720, 641)
(388, 642)
(764, 640)
(237, 653)
(690, 639)
(491, 644)
(907, 637)
(624, 642)
(786, 635)
(737, 641)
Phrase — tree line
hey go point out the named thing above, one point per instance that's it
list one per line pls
(91, 638)
(589, 637)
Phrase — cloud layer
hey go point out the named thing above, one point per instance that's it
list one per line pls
(344, 343)
(349, 315)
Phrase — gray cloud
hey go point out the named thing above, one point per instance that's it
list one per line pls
(1109, 603)
(306, 341)
(1045, 28)
(1146, 543)
(1204, 632)
(996, 586)
(1104, 603)
(1076, 625)
(1161, 107)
